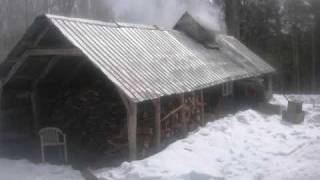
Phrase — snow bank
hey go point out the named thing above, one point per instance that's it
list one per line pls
(25, 170)
(245, 146)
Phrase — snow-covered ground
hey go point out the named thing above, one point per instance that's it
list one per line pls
(25, 170)
(245, 146)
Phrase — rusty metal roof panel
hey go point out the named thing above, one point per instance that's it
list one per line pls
(146, 62)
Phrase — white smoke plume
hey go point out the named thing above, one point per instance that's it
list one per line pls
(165, 13)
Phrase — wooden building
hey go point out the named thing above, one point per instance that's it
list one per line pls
(156, 74)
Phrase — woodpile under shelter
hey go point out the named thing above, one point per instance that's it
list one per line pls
(71, 66)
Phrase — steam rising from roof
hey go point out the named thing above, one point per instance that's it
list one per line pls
(165, 13)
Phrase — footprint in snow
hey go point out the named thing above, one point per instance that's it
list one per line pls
(188, 149)
(280, 135)
(204, 134)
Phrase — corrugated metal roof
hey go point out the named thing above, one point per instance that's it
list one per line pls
(242, 55)
(147, 62)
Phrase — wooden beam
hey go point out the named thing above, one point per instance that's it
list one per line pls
(40, 36)
(132, 110)
(52, 62)
(54, 52)
(40, 52)
(157, 122)
(176, 110)
(24, 56)
(15, 68)
(183, 117)
(35, 110)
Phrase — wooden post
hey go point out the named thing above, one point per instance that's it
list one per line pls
(183, 117)
(202, 108)
(132, 110)
(132, 130)
(157, 122)
(35, 109)
(269, 89)
(270, 83)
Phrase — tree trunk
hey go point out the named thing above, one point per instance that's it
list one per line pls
(314, 59)
(232, 14)
(296, 61)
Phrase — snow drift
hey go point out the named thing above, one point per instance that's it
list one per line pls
(248, 145)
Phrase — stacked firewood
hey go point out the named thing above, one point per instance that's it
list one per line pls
(172, 126)
(89, 116)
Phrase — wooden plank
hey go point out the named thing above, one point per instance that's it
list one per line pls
(54, 52)
(157, 123)
(183, 117)
(46, 71)
(35, 110)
